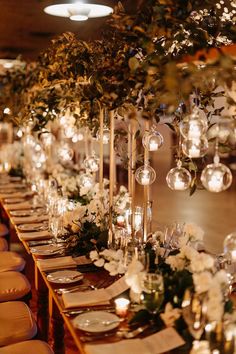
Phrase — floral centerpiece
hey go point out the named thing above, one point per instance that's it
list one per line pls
(88, 223)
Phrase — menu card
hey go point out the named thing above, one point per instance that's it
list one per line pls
(94, 297)
(160, 342)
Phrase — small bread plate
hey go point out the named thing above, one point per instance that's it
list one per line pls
(96, 322)
(14, 200)
(64, 276)
(32, 227)
(46, 250)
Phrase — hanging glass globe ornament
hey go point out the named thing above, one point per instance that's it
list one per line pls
(152, 140)
(195, 148)
(178, 178)
(216, 177)
(145, 175)
(65, 152)
(91, 163)
(86, 180)
(194, 125)
(106, 135)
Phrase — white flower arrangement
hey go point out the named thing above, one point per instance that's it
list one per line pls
(97, 208)
(112, 261)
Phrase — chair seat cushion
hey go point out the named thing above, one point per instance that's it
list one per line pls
(13, 286)
(16, 323)
(30, 346)
(3, 230)
(11, 261)
(3, 244)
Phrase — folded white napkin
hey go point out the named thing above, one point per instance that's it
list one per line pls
(36, 235)
(15, 195)
(160, 342)
(12, 185)
(56, 263)
(95, 297)
(18, 206)
(29, 219)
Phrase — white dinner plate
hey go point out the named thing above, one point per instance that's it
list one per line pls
(46, 250)
(32, 227)
(14, 200)
(64, 276)
(96, 321)
(28, 212)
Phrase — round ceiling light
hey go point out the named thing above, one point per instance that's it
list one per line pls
(78, 11)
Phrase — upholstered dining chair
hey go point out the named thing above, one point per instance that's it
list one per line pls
(13, 286)
(29, 346)
(11, 261)
(3, 230)
(16, 323)
(3, 244)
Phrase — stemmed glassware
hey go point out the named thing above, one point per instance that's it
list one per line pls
(153, 292)
(56, 215)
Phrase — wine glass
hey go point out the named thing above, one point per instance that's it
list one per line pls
(153, 292)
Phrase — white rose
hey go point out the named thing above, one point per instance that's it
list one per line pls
(93, 255)
(100, 262)
(202, 282)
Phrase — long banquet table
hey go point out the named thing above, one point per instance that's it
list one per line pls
(50, 307)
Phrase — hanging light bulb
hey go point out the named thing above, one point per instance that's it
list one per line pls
(106, 135)
(194, 125)
(195, 148)
(65, 152)
(145, 175)
(86, 180)
(179, 178)
(91, 163)
(216, 177)
(152, 140)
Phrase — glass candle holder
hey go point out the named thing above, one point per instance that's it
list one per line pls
(145, 175)
(122, 307)
(216, 177)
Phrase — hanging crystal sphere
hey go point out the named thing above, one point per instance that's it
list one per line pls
(153, 140)
(105, 136)
(178, 178)
(91, 163)
(145, 175)
(230, 247)
(216, 177)
(86, 180)
(65, 152)
(195, 148)
(194, 125)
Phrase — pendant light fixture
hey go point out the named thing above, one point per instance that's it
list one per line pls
(78, 11)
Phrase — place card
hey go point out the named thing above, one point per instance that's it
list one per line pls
(94, 297)
(160, 342)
